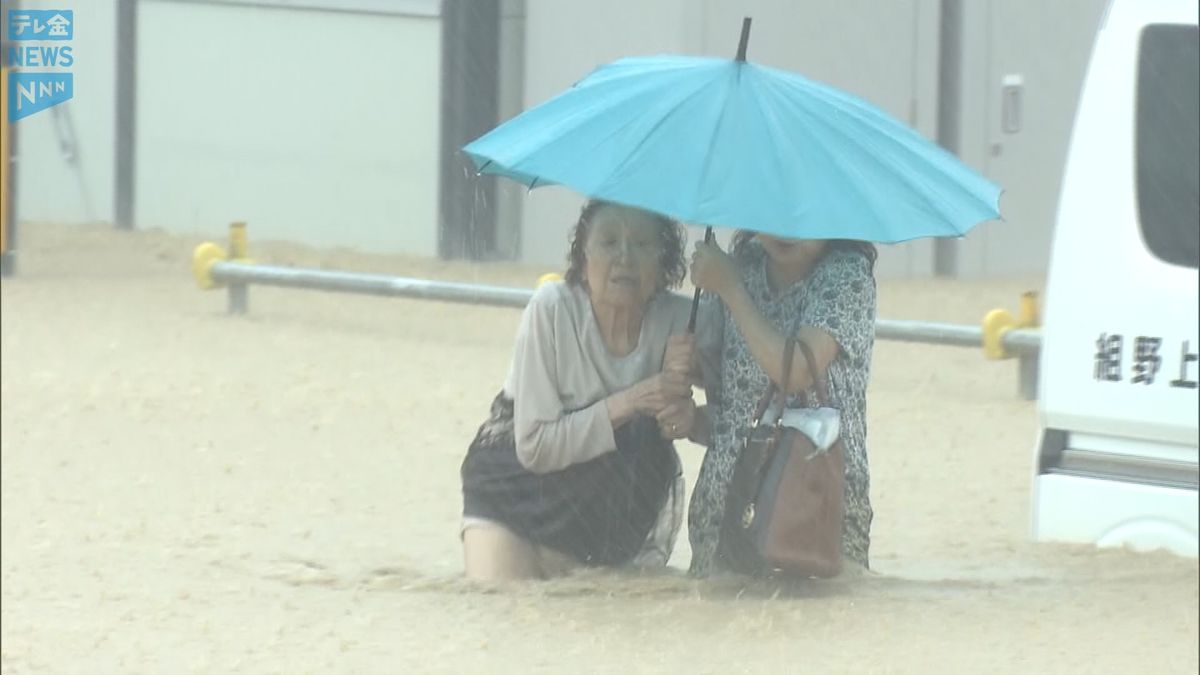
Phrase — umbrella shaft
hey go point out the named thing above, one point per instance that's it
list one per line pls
(708, 237)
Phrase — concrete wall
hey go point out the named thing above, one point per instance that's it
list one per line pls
(1047, 46)
(317, 126)
(314, 125)
(509, 195)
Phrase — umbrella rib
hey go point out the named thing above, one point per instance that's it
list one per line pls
(882, 138)
(645, 138)
(708, 166)
(777, 137)
(833, 159)
(874, 134)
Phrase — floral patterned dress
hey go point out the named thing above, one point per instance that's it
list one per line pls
(838, 297)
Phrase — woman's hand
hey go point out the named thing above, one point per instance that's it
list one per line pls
(677, 419)
(653, 394)
(680, 355)
(648, 397)
(714, 270)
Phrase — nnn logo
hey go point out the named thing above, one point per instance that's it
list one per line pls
(29, 93)
(48, 30)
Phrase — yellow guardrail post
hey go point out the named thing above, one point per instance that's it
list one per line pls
(239, 250)
(239, 247)
(208, 254)
(997, 323)
(203, 258)
(1030, 313)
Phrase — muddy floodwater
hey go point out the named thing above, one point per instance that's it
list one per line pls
(185, 491)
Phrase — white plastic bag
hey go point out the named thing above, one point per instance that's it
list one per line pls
(821, 425)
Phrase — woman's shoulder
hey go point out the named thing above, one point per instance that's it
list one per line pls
(748, 254)
(554, 303)
(846, 257)
(551, 294)
(842, 262)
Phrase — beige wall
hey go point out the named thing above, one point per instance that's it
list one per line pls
(248, 111)
(273, 116)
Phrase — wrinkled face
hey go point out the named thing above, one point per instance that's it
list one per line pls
(788, 252)
(623, 255)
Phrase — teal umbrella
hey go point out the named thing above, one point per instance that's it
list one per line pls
(733, 143)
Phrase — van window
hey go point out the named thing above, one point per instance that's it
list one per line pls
(1168, 142)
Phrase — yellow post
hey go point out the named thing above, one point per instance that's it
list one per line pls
(999, 321)
(995, 324)
(239, 247)
(208, 254)
(203, 258)
(1030, 316)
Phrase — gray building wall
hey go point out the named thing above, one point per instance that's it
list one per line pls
(1046, 45)
(50, 188)
(315, 120)
(310, 124)
(883, 51)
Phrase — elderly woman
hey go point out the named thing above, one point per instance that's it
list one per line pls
(576, 464)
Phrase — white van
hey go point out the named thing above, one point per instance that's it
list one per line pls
(1117, 459)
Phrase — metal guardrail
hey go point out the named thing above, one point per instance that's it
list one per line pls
(1017, 341)
(236, 274)
(1003, 339)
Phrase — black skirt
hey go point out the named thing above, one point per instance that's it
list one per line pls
(600, 511)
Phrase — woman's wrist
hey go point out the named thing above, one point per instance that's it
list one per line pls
(735, 297)
(620, 408)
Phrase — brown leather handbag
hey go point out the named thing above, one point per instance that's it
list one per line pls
(785, 504)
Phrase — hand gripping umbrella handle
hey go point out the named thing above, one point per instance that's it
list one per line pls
(708, 236)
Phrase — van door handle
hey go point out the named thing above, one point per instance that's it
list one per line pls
(1011, 103)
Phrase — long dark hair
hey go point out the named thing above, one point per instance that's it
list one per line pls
(741, 238)
(672, 267)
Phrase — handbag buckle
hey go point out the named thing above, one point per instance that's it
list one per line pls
(748, 516)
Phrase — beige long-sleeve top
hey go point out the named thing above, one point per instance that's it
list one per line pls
(562, 372)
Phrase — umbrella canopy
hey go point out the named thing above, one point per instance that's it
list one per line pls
(732, 143)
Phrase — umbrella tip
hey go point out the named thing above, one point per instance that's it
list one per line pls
(745, 40)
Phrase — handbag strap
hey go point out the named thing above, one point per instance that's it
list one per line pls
(820, 382)
(820, 388)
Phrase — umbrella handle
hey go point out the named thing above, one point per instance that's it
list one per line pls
(708, 237)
